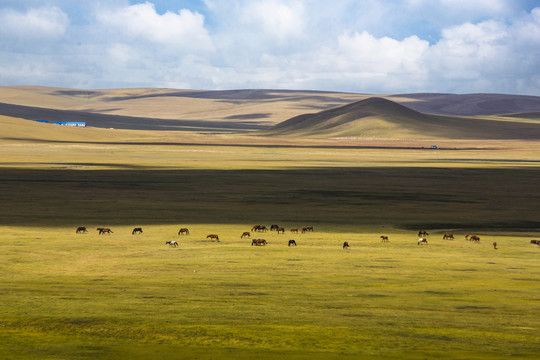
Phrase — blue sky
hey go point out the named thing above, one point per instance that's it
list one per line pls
(367, 46)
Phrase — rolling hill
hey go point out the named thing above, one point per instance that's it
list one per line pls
(291, 113)
(377, 117)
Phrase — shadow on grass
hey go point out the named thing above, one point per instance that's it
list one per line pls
(408, 198)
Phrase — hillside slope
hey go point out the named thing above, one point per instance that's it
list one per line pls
(377, 117)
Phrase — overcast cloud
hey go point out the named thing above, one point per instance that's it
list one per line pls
(395, 46)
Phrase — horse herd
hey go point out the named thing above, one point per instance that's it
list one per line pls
(422, 234)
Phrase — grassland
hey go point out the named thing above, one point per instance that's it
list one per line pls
(123, 296)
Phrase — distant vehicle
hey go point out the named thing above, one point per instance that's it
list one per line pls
(433, 147)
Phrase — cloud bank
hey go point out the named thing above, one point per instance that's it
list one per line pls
(370, 46)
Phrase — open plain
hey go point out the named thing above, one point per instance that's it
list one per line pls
(213, 162)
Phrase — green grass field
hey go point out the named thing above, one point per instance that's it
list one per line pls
(68, 296)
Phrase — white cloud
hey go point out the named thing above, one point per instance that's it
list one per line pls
(141, 22)
(280, 19)
(34, 23)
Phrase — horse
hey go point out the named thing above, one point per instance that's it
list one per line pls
(104, 231)
(292, 242)
(537, 242)
(274, 227)
(467, 236)
(448, 236)
(183, 231)
(295, 230)
(213, 237)
(81, 230)
(245, 234)
(171, 243)
(474, 238)
(423, 233)
(307, 228)
(259, 228)
(384, 238)
(346, 245)
(136, 231)
(280, 229)
(258, 242)
(422, 241)
(495, 245)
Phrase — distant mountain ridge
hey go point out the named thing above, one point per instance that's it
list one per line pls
(377, 117)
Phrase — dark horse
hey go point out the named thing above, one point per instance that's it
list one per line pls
(384, 238)
(136, 231)
(448, 236)
(307, 228)
(423, 233)
(245, 234)
(280, 229)
(274, 227)
(183, 231)
(81, 230)
(292, 242)
(258, 242)
(346, 245)
(213, 237)
(474, 238)
(104, 231)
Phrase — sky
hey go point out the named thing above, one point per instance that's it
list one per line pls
(363, 46)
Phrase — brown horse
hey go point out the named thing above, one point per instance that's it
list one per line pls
(467, 236)
(137, 231)
(384, 238)
(280, 229)
(423, 233)
(474, 238)
(495, 245)
(258, 242)
(274, 227)
(295, 230)
(292, 242)
(245, 234)
(448, 236)
(261, 228)
(81, 230)
(307, 228)
(422, 241)
(537, 242)
(104, 231)
(213, 237)
(346, 245)
(171, 243)
(183, 231)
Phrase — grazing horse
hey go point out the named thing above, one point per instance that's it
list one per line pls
(295, 230)
(448, 236)
(423, 233)
(474, 238)
(255, 227)
(422, 241)
(81, 230)
(280, 229)
(171, 243)
(274, 227)
(495, 245)
(213, 237)
(259, 228)
(258, 242)
(245, 234)
(384, 238)
(104, 231)
(183, 231)
(292, 242)
(537, 242)
(136, 231)
(346, 245)
(307, 228)
(467, 236)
